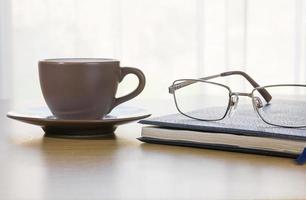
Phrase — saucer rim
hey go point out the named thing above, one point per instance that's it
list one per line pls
(22, 117)
(86, 121)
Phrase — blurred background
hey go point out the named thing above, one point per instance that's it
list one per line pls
(167, 39)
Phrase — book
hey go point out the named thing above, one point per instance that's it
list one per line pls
(243, 132)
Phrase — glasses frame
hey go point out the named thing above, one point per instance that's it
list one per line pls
(270, 86)
(209, 82)
(177, 84)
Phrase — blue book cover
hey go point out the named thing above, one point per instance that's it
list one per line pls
(244, 122)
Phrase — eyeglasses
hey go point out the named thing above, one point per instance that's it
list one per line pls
(281, 105)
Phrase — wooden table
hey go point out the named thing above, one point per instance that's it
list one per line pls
(36, 167)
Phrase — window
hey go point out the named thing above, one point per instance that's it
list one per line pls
(169, 38)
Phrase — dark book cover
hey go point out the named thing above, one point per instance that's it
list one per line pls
(244, 122)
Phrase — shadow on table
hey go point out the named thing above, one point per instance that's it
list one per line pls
(237, 158)
(73, 153)
(77, 168)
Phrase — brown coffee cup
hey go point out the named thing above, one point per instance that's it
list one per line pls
(84, 88)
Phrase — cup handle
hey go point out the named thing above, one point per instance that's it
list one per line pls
(142, 81)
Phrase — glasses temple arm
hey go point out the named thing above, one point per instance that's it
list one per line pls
(265, 94)
(185, 83)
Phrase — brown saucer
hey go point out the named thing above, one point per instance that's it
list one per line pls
(53, 127)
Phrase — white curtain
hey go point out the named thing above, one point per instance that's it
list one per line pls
(6, 75)
(167, 39)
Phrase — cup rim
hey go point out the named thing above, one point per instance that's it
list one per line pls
(77, 60)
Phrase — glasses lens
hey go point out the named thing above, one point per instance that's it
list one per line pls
(202, 100)
(286, 108)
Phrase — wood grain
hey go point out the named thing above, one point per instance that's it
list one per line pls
(36, 167)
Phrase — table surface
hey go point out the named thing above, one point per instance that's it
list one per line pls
(37, 167)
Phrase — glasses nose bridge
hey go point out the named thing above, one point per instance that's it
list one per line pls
(241, 94)
(234, 98)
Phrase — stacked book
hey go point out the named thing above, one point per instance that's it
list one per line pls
(244, 132)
